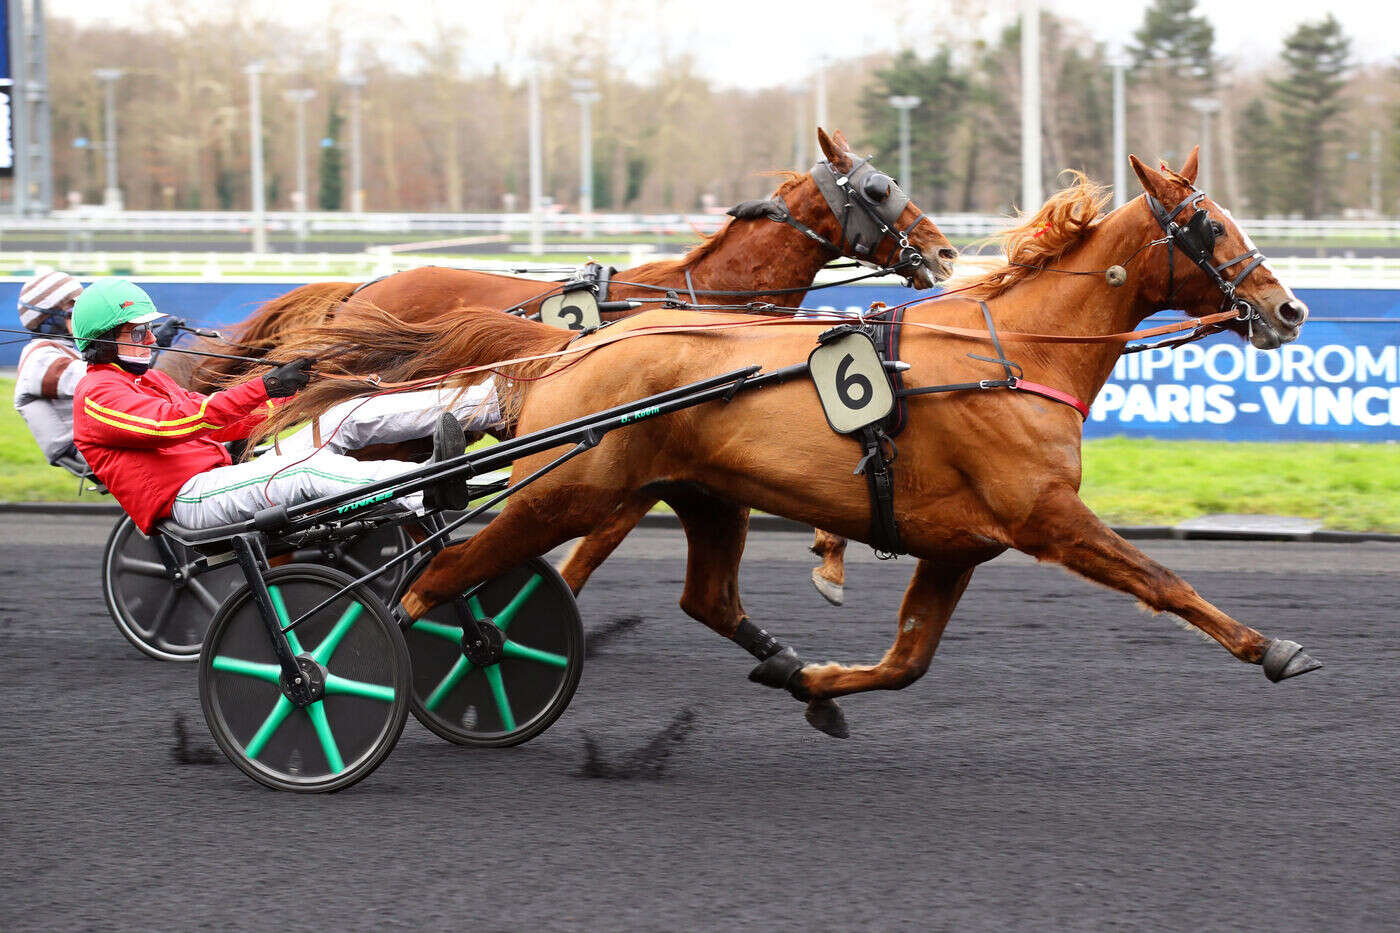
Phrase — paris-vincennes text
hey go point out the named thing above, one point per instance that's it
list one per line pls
(1331, 384)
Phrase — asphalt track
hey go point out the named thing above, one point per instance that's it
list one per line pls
(1067, 763)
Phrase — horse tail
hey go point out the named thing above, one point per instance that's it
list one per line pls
(366, 341)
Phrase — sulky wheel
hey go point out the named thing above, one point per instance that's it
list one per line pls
(360, 555)
(527, 674)
(359, 656)
(163, 615)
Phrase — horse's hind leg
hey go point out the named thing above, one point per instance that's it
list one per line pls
(517, 534)
(1065, 531)
(830, 577)
(715, 532)
(594, 548)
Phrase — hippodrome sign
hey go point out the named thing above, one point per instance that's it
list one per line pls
(1339, 381)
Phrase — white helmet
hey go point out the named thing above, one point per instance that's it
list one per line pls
(41, 298)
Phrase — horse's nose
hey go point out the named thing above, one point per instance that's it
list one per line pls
(1292, 313)
(947, 254)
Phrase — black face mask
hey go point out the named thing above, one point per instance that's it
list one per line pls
(135, 369)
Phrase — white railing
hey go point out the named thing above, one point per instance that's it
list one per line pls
(1295, 271)
(961, 226)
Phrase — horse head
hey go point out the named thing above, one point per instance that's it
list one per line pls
(864, 213)
(1229, 272)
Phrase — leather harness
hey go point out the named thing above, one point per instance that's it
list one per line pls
(877, 440)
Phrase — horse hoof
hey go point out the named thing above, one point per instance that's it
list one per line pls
(826, 716)
(777, 670)
(833, 593)
(1286, 659)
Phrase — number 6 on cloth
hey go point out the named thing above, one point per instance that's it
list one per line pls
(851, 381)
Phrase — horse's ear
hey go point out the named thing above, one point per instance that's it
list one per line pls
(834, 150)
(1193, 163)
(1153, 181)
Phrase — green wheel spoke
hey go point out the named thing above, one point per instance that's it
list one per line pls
(498, 690)
(477, 611)
(327, 647)
(281, 607)
(274, 719)
(514, 649)
(453, 678)
(317, 712)
(452, 633)
(504, 617)
(357, 688)
(272, 673)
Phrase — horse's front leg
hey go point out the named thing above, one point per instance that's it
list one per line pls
(1063, 529)
(928, 604)
(830, 577)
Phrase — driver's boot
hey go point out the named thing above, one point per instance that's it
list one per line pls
(448, 441)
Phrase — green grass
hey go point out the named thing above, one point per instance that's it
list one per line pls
(1354, 487)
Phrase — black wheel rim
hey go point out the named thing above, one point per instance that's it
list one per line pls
(516, 699)
(334, 741)
(162, 618)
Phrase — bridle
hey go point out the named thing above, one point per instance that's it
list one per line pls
(1196, 240)
(866, 203)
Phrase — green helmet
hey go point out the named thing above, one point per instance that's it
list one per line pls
(107, 303)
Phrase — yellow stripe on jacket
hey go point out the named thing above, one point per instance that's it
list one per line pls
(136, 429)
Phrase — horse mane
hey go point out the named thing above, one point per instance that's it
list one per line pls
(1061, 224)
(653, 273)
(364, 341)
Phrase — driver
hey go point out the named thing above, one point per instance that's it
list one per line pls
(50, 368)
(159, 448)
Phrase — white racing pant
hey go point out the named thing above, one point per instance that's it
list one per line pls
(397, 417)
(229, 494)
(297, 472)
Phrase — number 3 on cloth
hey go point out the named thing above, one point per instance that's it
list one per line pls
(853, 385)
(575, 310)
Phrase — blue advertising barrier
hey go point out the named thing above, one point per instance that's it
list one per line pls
(1339, 381)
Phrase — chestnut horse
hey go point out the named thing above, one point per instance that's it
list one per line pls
(750, 253)
(978, 472)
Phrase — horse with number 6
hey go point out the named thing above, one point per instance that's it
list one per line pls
(980, 469)
(771, 251)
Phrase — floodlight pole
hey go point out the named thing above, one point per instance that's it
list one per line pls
(904, 103)
(586, 98)
(1032, 194)
(1119, 63)
(112, 197)
(536, 167)
(300, 96)
(1206, 107)
(254, 71)
(356, 83)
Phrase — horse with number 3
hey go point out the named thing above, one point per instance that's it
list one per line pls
(992, 464)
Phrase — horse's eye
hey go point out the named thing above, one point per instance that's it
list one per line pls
(1217, 228)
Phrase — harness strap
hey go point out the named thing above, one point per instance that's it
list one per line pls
(884, 527)
(690, 287)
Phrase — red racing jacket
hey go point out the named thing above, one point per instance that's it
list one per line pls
(144, 436)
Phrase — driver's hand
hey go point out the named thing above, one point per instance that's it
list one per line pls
(167, 330)
(286, 381)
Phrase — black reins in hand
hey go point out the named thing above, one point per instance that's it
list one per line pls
(125, 343)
